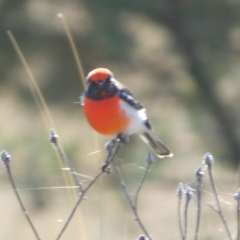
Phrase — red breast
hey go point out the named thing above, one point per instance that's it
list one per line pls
(106, 115)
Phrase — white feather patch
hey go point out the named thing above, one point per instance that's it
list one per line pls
(137, 118)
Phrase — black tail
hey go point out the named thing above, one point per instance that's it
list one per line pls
(158, 146)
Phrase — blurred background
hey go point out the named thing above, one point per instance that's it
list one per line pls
(180, 58)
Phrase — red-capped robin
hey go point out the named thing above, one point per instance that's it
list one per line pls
(112, 110)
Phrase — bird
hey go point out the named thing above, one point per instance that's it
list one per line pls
(112, 110)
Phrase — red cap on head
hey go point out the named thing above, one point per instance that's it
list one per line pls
(99, 74)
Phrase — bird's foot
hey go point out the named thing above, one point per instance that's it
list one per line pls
(123, 138)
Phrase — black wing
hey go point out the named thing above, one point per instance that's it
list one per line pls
(128, 97)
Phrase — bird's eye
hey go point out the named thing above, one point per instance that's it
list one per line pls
(108, 80)
(90, 82)
(93, 83)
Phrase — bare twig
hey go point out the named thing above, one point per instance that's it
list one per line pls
(149, 160)
(213, 207)
(54, 139)
(180, 193)
(5, 157)
(237, 198)
(140, 184)
(130, 200)
(199, 175)
(115, 145)
(238, 221)
(208, 160)
(188, 198)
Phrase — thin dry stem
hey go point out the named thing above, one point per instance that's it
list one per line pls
(65, 159)
(179, 216)
(141, 184)
(199, 191)
(33, 83)
(180, 192)
(111, 154)
(130, 200)
(74, 49)
(20, 201)
(213, 207)
(238, 220)
(186, 218)
(218, 209)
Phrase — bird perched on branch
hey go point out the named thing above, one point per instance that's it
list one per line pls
(112, 110)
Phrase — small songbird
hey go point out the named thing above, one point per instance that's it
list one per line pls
(112, 110)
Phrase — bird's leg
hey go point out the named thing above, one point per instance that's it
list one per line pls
(123, 138)
(109, 147)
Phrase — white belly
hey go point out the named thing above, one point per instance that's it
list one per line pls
(137, 118)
